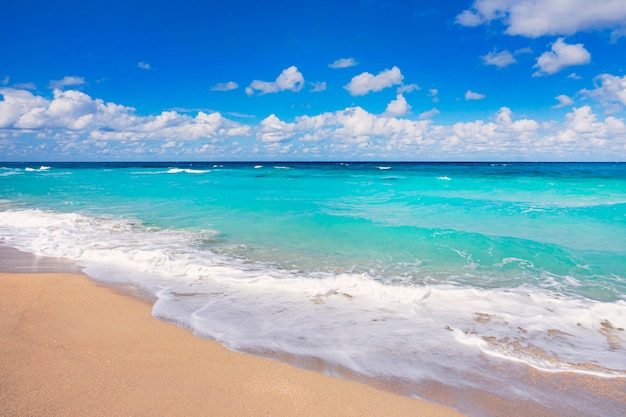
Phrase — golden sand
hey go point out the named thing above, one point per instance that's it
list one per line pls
(69, 347)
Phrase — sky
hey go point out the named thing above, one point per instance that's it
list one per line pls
(419, 80)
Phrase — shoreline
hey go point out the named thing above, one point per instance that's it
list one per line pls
(71, 347)
(64, 329)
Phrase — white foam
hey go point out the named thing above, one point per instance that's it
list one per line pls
(187, 171)
(41, 168)
(8, 173)
(349, 320)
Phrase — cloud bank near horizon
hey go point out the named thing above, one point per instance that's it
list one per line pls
(72, 124)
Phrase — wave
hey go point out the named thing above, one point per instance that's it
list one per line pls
(8, 172)
(355, 321)
(173, 171)
(41, 168)
(187, 171)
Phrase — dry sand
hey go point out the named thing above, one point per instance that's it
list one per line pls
(69, 347)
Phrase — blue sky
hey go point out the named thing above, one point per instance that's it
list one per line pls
(313, 80)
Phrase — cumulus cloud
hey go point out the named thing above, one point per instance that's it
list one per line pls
(343, 63)
(499, 59)
(72, 122)
(470, 95)
(318, 86)
(290, 79)
(67, 81)
(563, 100)
(561, 56)
(275, 130)
(228, 86)
(408, 88)
(144, 66)
(74, 111)
(429, 114)
(365, 82)
(535, 18)
(398, 107)
(609, 89)
(17, 103)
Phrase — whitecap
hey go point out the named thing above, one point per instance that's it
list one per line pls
(187, 171)
(41, 168)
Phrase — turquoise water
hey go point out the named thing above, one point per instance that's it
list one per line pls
(370, 267)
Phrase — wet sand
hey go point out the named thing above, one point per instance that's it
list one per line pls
(70, 347)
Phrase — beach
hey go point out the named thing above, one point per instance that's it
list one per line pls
(71, 347)
(493, 289)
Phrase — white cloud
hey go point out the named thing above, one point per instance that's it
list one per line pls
(365, 83)
(275, 130)
(343, 63)
(408, 88)
(290, 79)
(228, 86)
(73, 123)
(318, 86)
(561, 56)
(69, 109)
(16, 103)
(24, 86)
(429, 114)
(397, 107)
(563, 100)
(470, 95)
(144, 66)
(434, 93)
(67, 81)
(499, 59)
(609, 89)
(535, 18)
(521, 51)
(574, 76)
(73, 112)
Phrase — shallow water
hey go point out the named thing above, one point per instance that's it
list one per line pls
(403, 272)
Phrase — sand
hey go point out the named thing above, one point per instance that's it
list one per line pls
(69, 347)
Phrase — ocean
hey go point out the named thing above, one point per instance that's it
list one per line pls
(462, 275)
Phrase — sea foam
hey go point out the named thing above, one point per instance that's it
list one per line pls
(346, 319)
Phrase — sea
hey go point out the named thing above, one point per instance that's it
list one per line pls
(466, 276)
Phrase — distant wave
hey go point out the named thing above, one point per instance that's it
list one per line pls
(173, 171)
(9, 171)
(41, 168)
(187, 171)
